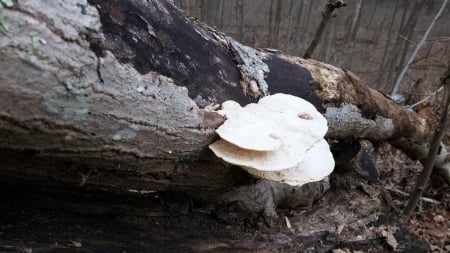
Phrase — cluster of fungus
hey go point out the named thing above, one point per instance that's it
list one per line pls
(281, 138)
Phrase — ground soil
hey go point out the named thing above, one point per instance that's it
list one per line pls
(354, 216)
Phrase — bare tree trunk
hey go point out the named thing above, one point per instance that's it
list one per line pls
(178, 3)
(275, 19)
(298, 14)
(304, 26)
(326, 16)
(220, 13)
(328, 43)
(212, 12)
(355, 21)
(403, 39)
(289, 26)
(188, 7)
(418, 47)
(390, 65)
(271, 21)
(372, 14)
(383, 64)
(116, 96)
(240, 15)
(204, 10)
(411, 28)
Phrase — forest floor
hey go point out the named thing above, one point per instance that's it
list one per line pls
(353, 216)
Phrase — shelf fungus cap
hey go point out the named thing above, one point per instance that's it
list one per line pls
(248, 131)
(287, 156)
(295, 114)
(279, 139)
(317, 164)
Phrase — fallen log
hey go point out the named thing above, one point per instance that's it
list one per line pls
(118, 95)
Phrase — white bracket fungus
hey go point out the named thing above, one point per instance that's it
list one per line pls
(280, 139)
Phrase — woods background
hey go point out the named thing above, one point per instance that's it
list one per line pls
(371, 38)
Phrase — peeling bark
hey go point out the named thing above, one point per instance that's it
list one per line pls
(117, 97)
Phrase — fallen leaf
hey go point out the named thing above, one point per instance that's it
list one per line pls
(436, 233)
(439, 218)
(390, 239)
(370, 190)
(288, 223)
(339, 251)
(434, 247)
(340, 228)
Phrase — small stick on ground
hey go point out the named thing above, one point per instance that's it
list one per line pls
(424, 199)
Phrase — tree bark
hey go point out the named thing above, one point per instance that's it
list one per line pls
(240, 18)
(326, 16)
(383, 63)
(275, 19)
(416, 50)
(351, 36)
(116, 95)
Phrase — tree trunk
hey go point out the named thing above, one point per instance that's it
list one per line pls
(402, 42)
(288, 41)
(326, 16)
(115, 95)
(297, 20)
(240, 18)
(351, 36)
(416, 50)
(382, 67)
(275, 19)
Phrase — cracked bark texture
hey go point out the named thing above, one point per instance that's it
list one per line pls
(115, 94)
